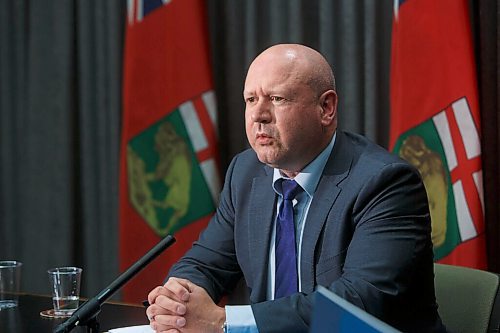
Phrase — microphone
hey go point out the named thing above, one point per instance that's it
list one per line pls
(91, 308)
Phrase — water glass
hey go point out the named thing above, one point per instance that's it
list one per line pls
(65, 285)
(10, 282)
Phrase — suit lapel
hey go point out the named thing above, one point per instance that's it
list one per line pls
(336, 169)
(260, 217)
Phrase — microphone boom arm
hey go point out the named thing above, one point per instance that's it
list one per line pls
(87, 312)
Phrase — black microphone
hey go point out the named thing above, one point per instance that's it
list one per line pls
(91, 308)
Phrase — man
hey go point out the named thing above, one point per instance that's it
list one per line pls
(359, 218)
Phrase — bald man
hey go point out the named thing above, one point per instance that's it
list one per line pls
(308, 205)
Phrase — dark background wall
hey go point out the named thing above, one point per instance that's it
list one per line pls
(60, 110)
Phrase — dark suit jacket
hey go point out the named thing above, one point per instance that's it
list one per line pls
(366, 237)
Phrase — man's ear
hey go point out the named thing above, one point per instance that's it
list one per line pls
(328, 101)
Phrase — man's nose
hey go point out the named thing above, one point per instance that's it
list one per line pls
(261, 112)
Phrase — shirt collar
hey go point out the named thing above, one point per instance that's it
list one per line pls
(308, 178)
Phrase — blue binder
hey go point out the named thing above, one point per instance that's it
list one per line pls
(333, 314)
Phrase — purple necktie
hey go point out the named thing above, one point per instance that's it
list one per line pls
(286, 281)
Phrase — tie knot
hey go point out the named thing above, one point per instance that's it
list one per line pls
(290, 189)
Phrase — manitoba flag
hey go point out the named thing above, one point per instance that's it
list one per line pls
(435, 121)
(169, 180)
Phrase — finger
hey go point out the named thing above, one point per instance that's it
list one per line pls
(179, 287)
(168, 304)
(155, 293)
(162, 291)
(165, 322)
(155, 326)
(154, 310)
(181, 281)
(150, 316)
(172, 330)
(160, 328)
(149, 313)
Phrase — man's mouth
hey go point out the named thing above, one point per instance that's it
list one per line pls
(263, 139)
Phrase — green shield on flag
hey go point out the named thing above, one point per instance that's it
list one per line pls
(166, 185)
(422, 147)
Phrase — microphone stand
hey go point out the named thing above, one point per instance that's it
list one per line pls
(87, 312)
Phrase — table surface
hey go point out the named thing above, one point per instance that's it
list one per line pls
(26, 316)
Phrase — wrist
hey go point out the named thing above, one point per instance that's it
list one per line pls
(222, 323)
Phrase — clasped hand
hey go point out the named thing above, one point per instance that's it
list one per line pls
(182, 306)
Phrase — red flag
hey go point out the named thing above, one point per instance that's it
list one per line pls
(435, 121)
(169, 180)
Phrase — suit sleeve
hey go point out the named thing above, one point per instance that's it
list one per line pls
(211, 263)
(389, 249)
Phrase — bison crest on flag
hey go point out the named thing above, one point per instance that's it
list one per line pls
(446, 150)
(163, 169)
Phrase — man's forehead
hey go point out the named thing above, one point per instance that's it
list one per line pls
(276, 71)
(270, 82)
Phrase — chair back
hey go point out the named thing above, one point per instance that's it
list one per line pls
(468, 299)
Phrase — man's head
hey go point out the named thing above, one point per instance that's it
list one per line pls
(291, 106)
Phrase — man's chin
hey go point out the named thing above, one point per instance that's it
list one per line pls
(265, 158)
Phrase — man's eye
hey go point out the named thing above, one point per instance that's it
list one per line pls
(276, 98)
(250, 99)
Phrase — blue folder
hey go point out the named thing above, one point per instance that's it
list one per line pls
(333, 314)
